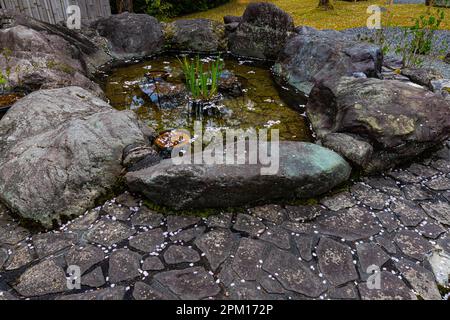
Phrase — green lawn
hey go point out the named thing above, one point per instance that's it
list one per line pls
(345, 15)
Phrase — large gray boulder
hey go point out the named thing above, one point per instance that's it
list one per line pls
(131, 35)
(198, 35)
(262, 32)
(387, 121)
(60, 150)
(43, 56)
(305, 170)
(313, 56)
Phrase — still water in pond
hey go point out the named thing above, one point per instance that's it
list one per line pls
(259, 106)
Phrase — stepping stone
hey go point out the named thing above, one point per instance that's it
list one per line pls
(189, 284)
(351, 224)
(273, 213)
(179, 254)
(413, 244)
(147, 217)
(346, 292)
(84, 257)
(304, 170)
(303, 213)
(216, 245)
(148, 241)
(94, 279)
(114, 294)
(409, 213)
(222, 220)
(248, 224)
(188, 235)
(336, 262)
(438, 211)
(420, 279)
(118, 212)
(342, 200)
(292, 274)
(369, 196)
(124, 265)
(175, 223)
(249, 258)
(50, 243)
(107, 232)
(391, 288)
(152, 263)
(44, 278)
(370, 254)
(278, 236)
(304, 245)
(143, 291)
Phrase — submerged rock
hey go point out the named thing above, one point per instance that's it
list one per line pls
(60, 150)
(313, 56)
(399, 120)
(262, 32)
(305, 170)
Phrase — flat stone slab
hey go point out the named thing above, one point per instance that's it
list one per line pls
(413, 244)
(146, 217)
(143, 291)
(84, 257)
(190, 283)
(305, 170)
(116, 293)
(152, 263)
(391, 288)
(438, 211)
(148, 241)
(249, 224)
(107, 232)
(370, 254)
(249, 258)
(336, 262)
(180, 254)
(123, 265)
(42, 279)
(217, 246)
(94, 279)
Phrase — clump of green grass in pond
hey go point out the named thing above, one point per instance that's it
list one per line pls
(202, 81)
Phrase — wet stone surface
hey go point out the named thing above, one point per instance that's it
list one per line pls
(391, 222)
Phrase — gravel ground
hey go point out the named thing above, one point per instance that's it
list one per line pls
(440, 47)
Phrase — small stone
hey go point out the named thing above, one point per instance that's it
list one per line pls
(387, 244)
(180, 254)
(273, 213)
(44, 278)
(336, 262)
(388, 220)
(391, 288)
(420, 279)
(175, 223)
(107, 232)
(217, 245)
(84, 257)
(369, 196)
(304, 245)
(94, 279)
(408, 212)
(430, 229)
(148, 241)
(248, 224)
(152, 264)
(123, 265)
(189, 284)
(370, 254)
(412, 244)
(147, 217)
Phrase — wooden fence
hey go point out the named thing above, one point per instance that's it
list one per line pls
(54, 11)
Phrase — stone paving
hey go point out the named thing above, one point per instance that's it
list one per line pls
(398, 221)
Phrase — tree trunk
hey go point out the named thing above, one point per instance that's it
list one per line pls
(124, 5)
(325, 5)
